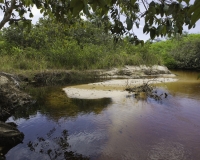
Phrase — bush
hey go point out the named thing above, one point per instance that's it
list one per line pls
(182, 52)
(187, 54)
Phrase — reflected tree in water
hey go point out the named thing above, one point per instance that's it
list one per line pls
(54, 103)
(55, 148)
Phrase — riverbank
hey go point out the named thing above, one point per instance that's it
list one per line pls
(63, 77)
(12, 84)
(11, 99)
(110, 82)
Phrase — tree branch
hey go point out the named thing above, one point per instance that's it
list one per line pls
(6, 4)
(16, 20)
(7, 13)
(144, 5)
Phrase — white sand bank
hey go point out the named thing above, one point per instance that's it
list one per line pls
(109, 89)
(92, 93)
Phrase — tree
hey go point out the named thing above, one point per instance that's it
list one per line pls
(162, 17)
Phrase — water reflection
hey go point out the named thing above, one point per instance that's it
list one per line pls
(182, 89)
(54, 109)
(123, 128)
(53, 102)
(188, 85)
(56, 148)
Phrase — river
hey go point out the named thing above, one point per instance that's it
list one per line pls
(58, 127)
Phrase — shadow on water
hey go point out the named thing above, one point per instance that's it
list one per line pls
(54, 103)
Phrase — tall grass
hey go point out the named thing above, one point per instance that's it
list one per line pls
(69, 55)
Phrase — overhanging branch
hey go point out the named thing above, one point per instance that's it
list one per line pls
(7, 13)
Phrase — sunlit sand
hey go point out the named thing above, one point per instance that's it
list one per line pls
(109, 89)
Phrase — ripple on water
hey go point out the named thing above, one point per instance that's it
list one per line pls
(166, 150)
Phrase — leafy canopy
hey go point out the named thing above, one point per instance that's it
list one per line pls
(162, 17)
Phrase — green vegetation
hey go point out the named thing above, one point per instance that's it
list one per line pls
(62, 40)
(180, 52)
(52, 45)
(162, 17)
(85, 45)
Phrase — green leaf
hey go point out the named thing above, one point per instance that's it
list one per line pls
(146, 28)
(85, 10)
(85, 2)
(116, 11)
(168, 28)
(152, 4)
(147, 18)
(28, 2)
(113, 2)
(159, 29)
(74, 3)
(194, 7)
(129, 23)
(195, 16)
(94, 6)
(152, 33)
(30, 15)
(161, 11)
(142, 42)
(180, 6)
(21, 12)
(164, 30)
(158, 21)
(102, 3)
(104, 11)
(169, 35)
(166, 7)
(16, 23)
(170, 9)
(152, 10)
(175, 29)
(180, 29)
(133, 2)
(151, 20)
(41, 10)
(77, 9)
(137, 24)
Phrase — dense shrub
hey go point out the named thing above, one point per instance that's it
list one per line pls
(187, 55)
(52, 45)
(182, 52)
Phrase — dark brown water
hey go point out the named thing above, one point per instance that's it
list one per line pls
(124, 129)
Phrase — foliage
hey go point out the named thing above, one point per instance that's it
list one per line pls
(187, 54)
(180, 52)
(161, 17)
(53, 45)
